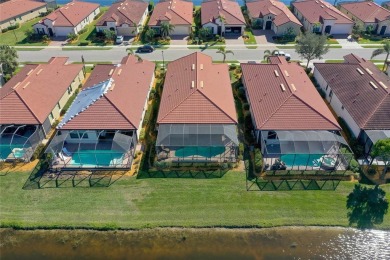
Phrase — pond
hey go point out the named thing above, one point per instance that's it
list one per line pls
(210, 243)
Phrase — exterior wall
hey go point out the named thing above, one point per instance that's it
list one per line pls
(212, 26)
(384, 23)
(145, 108)
(340, 29)
(46, 126)
(282, 29)
(63, 31)
(86, 21)
(336, 104)
(126, 30)
(23, 17)
(92, 137)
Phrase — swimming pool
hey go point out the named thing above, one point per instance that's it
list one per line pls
(301, 159)
(208, 151)
(93, 158)
(6, 149)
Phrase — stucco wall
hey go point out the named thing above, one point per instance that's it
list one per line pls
(23, 17)
(282, 29)
(145, 108)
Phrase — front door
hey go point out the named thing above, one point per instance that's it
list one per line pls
(51, 32)
(268, 25)
(383, 30)
(327, 29)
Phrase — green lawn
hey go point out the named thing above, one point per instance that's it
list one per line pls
(8, 38)
(251, 38)
(29, 49)
(138, 203)
(370, 40)
(86, 48)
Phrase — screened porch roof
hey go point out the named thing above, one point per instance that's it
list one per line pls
(376, 135)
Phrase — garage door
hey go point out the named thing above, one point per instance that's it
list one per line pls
(125, 31)
(233, 29)
(181, 30)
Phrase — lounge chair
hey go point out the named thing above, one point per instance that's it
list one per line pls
(66, 152)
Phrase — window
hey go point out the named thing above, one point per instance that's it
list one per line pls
(330, 93)
(51, 117)
(58, 105)
(74, 135)
(271, 135)
(327, 87)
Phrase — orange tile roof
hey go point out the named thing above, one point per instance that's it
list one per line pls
(124, 12)
(282, 97)
(177, 12)
(317, 10)
(229, 9)
(13, 8)
(197, 91)
(122, 106)
(368, 12)
(30, 96)
(261, 8)
(72, 13)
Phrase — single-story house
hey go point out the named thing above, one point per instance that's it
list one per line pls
(359, 93)
(31, 102)
(222, 17)
(273, 15)
(293, 125)
(369, 13)
(179, 13)
(103, 124)
(20, 11)
(70, 18)
(321, 17)
(125, 17)
(197, 118)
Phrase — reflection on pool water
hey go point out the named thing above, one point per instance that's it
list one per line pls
(301, 159)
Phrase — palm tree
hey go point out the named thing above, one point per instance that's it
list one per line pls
(166, 29)
(223, 21)
(268, 53)
(385, 49)
(223, 51)
(149, 34)
(130, 51)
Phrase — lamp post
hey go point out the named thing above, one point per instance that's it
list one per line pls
(162, 52)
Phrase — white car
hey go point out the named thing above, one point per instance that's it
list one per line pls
(119, 39)
(282, 53)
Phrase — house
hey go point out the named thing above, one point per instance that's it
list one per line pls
(273, 15)
(222, 17)
(369, 13)
(103, 124)
(293, 125)
(359, 93)
(177, 12)
(321, 17)
(31, 102)
(20, 11)
(70, 18)
(197, 117)
(125, 17)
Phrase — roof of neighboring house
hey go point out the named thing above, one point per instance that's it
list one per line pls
(113, 97)
(72, 13)
(15, 8)
(31, 95)
(261, 8)
(368, 12)
(282, 97)
(196, 91)
(175, 12)
(124, 12)
(368, 106)
(317, 10)
(229, 9)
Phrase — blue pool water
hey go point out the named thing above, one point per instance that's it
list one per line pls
(96, 158)
(6, 150)
(207, 152)
(301, 159)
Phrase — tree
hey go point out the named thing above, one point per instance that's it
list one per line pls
(385, 49)
(109, 35)
(223, 22)
(72, 36)
(149, 35)
(310, 46)
(30, 33)
(268, 53)
(381, 150)
(130, 51)
(223, 51)
(166, 29)
(8, 59)
(357, 29)
(366, 206)
(204, 33)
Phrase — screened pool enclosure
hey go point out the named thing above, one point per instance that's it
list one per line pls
(196, 143)
(304, 150)
(90, 149)
(18, 142)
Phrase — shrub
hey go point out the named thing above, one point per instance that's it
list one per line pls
(258, 160)
(13, 27)
(4, 30)
(45, 38)
(241, 148)
(84, 30)
(38, 152)
(233, 66)
(241, 93)
(246, 106)
(372, 170)
(84, 43)
(142, 134)
(72, 36)
(98, 15)
(354, 166)
(247, 120)
(321, 92)
(224, 166)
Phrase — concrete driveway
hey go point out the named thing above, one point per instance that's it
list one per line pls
(264, 36)
(58, 41)
(179, 40)
(347, 44)
(233, 39)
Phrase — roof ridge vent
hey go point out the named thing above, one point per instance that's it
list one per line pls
(30, 72)
(112, 86)
(276, 73)
(373, 85)
(201, 84)
(360, 71)
(283, 87)
(25, 86)
(39, 71)
(193, 66)
(369, 71)
(119, 72)
(382, 84)
(111, 71)
(293, 87)
(17, 84)
(192, 84)
(201, 66)
(286, 73)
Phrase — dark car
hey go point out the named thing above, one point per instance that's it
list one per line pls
(145, 48)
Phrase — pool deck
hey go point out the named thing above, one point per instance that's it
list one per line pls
(170, 156)
(271, 160)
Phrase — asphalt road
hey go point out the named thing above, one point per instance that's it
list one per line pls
(117, 53)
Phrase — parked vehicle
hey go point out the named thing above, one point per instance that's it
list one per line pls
(282, 53)
(145, 48)
(119, 39)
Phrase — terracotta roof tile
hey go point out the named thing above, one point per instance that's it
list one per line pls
(316, 10)
(197, 91)
(121, 107)
(14, 8)
(282, 97)
(369, 107)
(36, 90)
(124, 12)
(368, 12)
(229, 9)
(261, 8)
(177, 12)
(72, 13)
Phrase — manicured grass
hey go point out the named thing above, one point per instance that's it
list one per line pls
(8, 38)
(86, 48)
(226, 61)
(335, 46)
(285, 46)
(28, 49)
(371, 46)
(373, 39)
(251, 38)
(334, 61)
(332, 41)
(139, 203)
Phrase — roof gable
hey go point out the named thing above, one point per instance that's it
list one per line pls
(124, 12)
(367, 11)
(228, 9)
(177, 12)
